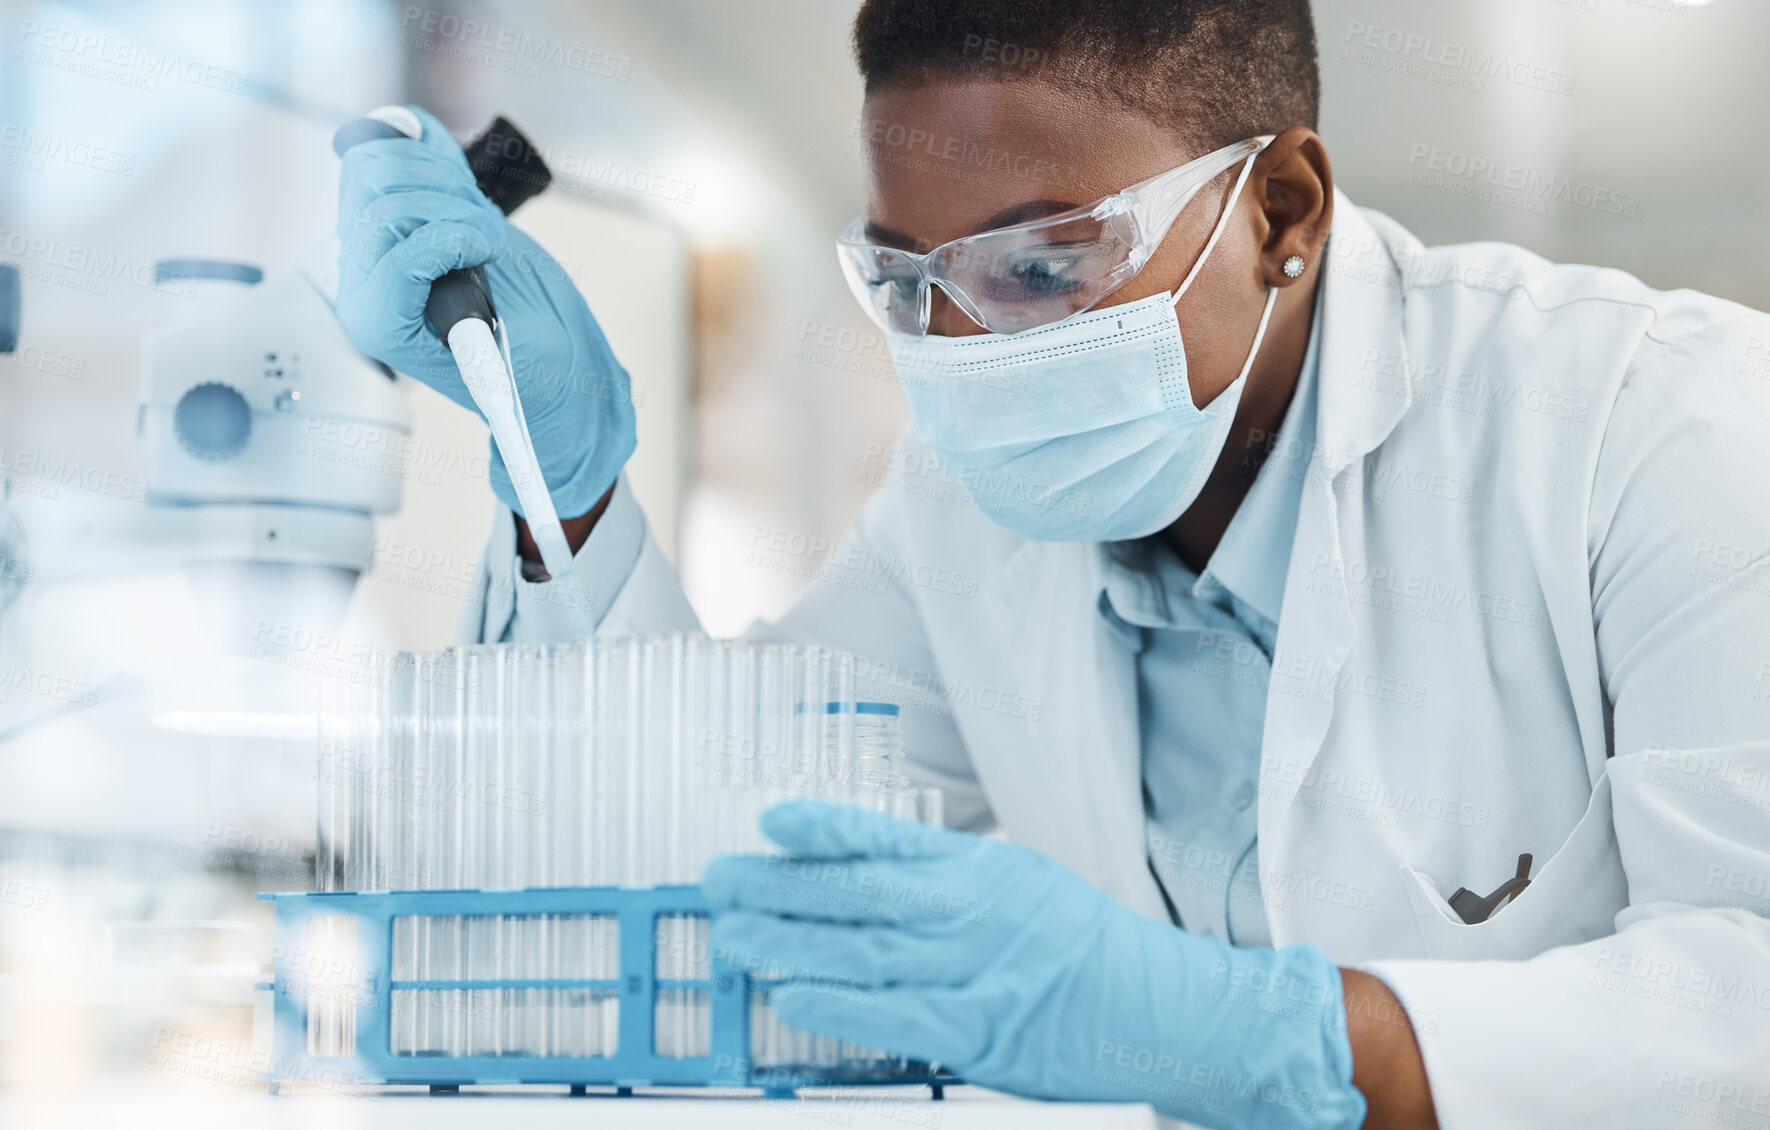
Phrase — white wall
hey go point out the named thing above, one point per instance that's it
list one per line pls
(634, 273)
(1656, 106)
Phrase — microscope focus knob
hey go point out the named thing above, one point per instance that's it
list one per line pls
(212, 421)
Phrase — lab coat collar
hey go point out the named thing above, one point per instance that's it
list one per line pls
(1361, 312)
(1251, 561)
(1363, 325)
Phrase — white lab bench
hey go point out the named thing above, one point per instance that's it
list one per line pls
(964, 1108)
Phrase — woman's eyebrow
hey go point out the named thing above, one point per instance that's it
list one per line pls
(885, 237)
(1019, 213)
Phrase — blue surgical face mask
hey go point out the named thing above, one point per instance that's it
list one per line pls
(1081, 431)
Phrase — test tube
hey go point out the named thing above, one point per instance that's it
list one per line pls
(517, 758)
(457, 731)
(542, 718)
(340, 729)
(578, 786)
(693, 697)
(477, 727)
(437, 687)
(660, 672)
(687, 691)
(563, 827)
(629, 756)
(366, 820)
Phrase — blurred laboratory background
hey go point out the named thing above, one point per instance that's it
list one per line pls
(172, 601)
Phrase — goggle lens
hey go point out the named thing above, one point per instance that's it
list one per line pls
(1007, 281)
(1018, 279)
(889, 285)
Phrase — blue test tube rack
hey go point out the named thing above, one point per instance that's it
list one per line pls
(635, 1063)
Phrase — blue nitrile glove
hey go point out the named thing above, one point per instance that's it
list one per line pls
(409, 211)
(994, 961)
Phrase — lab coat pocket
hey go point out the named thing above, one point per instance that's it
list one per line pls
(1574, 897)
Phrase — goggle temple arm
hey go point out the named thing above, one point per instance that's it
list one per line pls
(1157, 202)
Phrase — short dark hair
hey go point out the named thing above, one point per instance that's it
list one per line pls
(1219, 70)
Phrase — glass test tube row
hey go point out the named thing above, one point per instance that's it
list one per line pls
(603, 762)
(624, 761)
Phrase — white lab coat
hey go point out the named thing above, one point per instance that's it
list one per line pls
(1533, 552)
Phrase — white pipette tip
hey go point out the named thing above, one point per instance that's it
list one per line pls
(399, 118)
(488, 379)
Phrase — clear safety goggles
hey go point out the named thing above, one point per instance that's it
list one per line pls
(1018, 278)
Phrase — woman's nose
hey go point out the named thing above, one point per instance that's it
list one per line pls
(945, 319)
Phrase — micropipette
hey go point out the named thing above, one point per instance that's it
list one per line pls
(460, 313)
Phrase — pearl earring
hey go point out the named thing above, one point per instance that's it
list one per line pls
(1293, 266)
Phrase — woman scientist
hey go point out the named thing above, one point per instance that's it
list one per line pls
(1368, 660)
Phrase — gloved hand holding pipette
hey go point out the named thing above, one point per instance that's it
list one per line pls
(409, 211)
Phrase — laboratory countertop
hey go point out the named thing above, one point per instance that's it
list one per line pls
(965, 1108)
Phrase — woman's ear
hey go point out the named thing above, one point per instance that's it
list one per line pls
(1294, 183)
